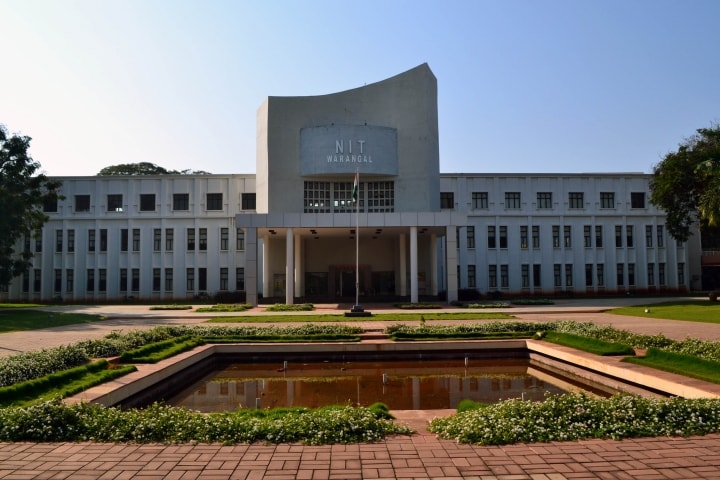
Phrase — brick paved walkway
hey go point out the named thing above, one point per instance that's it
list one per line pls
(420, 456)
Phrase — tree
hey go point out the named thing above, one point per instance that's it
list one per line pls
(145, 168)
(22, 197)
(686, 184)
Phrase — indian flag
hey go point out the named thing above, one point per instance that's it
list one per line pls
(355, 187)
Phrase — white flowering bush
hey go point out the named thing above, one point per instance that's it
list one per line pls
(469, 328)
(576, 416)
(54, 422)
(30, 365)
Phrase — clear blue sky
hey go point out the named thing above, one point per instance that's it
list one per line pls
(523, 85)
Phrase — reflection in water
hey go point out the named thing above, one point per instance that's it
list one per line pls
(401, 385)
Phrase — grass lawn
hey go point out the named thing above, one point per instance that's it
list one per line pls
(380, 317)
(691, 311)
(23, 319)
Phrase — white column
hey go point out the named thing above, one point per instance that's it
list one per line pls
(251, 266)
(433, 265)
(267, 273)
(403, 267)
(451, 263)
(299, 267)
(289, 267)
(413, 265)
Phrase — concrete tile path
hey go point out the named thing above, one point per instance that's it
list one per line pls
(420, 456)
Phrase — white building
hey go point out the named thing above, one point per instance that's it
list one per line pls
(288, 232)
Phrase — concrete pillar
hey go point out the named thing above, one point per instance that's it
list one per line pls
(299, 268)
(403, 267)
(451, 262)
(289, 267)
(433, 265)
(413, 265)
(251, 266)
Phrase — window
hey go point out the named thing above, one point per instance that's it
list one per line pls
(479, 200)
(568, 275)
(629, 233)
(681, 274)
(620, 274)
(37, 280)
(240, 239)
(240, 279)
(135, 280)
(525, 275)
(544, 200)
(90, 280)
(168, 279)
(504, 276)
(380, 196)
(660, 237)
(123, 280)
(69, 280)
(523, 236)
(557, 276)
(202, 279)
(25, 283)
(38, 241)
(102, 280)
(648, 236)
(248, 201)
(82, 203)
(492, 276)
(536, 236)
(567, 236)
(190, 279)
(147, 202)
(491, 236)
(203, 241)
(157, 239)
(600, 271)
(618, 236)
(471, 276)
(503, 237)
(103, 239)
(631, 274)
(588, 274)
(512, 199)
(26, 244)
(71, 240)
(190, 239)
(50, 206)
(181, 201)
(91, 240)
(470, 237)
(58, 241)
(587, 236)
(575, 199)
(156, 280)
(224, 279)
(661, 274)
(169, 239)
(58, 281)
(136, 239)
(651, 274)
(317, 197)
(536, 276)
(598, 236)
(224, 239)
(607, 199)
(637, 200)
(124, 240)
(214, 201)
(447, 200)
(115, 203)
(556, 236)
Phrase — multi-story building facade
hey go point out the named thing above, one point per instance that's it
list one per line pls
(290, 230)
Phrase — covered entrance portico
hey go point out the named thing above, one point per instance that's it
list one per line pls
(312, 256)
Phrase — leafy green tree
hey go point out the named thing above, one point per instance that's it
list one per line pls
(145, 168)
(23, 193)
(686, 184)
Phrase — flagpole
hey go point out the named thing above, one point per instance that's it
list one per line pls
(357, 244)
